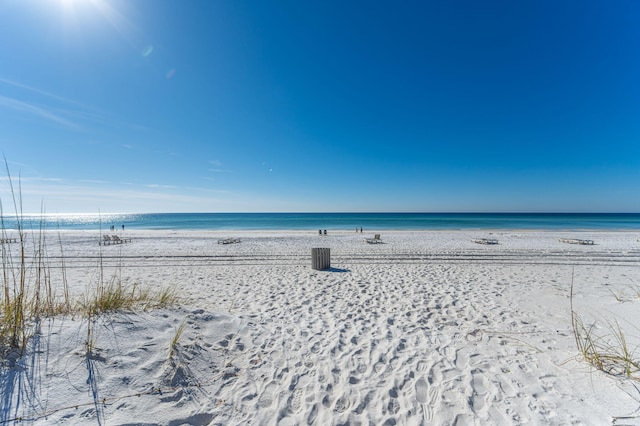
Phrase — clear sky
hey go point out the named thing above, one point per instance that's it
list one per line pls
(241, 106)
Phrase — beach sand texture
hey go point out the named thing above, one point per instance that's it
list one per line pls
(426, 328)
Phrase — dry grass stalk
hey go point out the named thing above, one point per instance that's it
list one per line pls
(608, 353)
(176, 338)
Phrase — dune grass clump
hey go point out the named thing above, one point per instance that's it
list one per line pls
(30, 292)
(27, 290)
(114, 296)
(624, 296)
(609, 351)
(176, 338)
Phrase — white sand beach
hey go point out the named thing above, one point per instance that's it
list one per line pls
(427, 328)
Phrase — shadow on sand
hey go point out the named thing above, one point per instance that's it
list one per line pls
(20, 379)
(337, 270)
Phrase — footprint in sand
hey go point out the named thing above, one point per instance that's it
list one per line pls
(427, 397)
(482, 392)
(462, 358)
(395, 363)
(268, 395)
(296, 400)
(393, 406)
(421, 390)
(506, 387)
(430, 407)
(547, 382)
(361, 366)
(316, 348)
(423, 366)
(435, 374)
(474, 336)
(342, 404)
(313, 414)
(308, 362)
(327, 400)
(478, 382)
(449, 353)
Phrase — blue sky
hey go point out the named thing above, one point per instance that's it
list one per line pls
(241, 106)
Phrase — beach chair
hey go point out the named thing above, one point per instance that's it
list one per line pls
(229, 241)
(106, 240)
(576, 241)
(119, 240)
(375, 240)
(485, 241)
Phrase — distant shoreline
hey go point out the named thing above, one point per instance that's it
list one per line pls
(332, 221)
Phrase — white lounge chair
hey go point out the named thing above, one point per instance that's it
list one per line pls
(119, 240)
(485, 241)
(375, 240)
(106, 240)
(576, 241)
(229, 241)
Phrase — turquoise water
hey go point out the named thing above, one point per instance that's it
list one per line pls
(335, 221)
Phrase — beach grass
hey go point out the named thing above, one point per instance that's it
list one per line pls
(30, 292)
(114, 296)
(176, 338)
(606, 351)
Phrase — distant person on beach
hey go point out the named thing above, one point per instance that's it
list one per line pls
(122, 228)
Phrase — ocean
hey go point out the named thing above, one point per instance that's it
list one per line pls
(332, 221)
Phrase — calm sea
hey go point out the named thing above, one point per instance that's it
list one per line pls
(335, 221)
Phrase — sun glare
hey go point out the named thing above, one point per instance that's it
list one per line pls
(78, 12)
(68, 3)
(71, 5)
(75, 4)
(71, 2)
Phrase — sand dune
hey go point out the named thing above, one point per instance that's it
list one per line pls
(426, 328)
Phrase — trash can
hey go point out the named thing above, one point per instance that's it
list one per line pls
(320, 259)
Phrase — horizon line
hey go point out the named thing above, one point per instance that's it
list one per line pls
(322, 212)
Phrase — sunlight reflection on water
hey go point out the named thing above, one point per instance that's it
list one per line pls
(69, 221)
